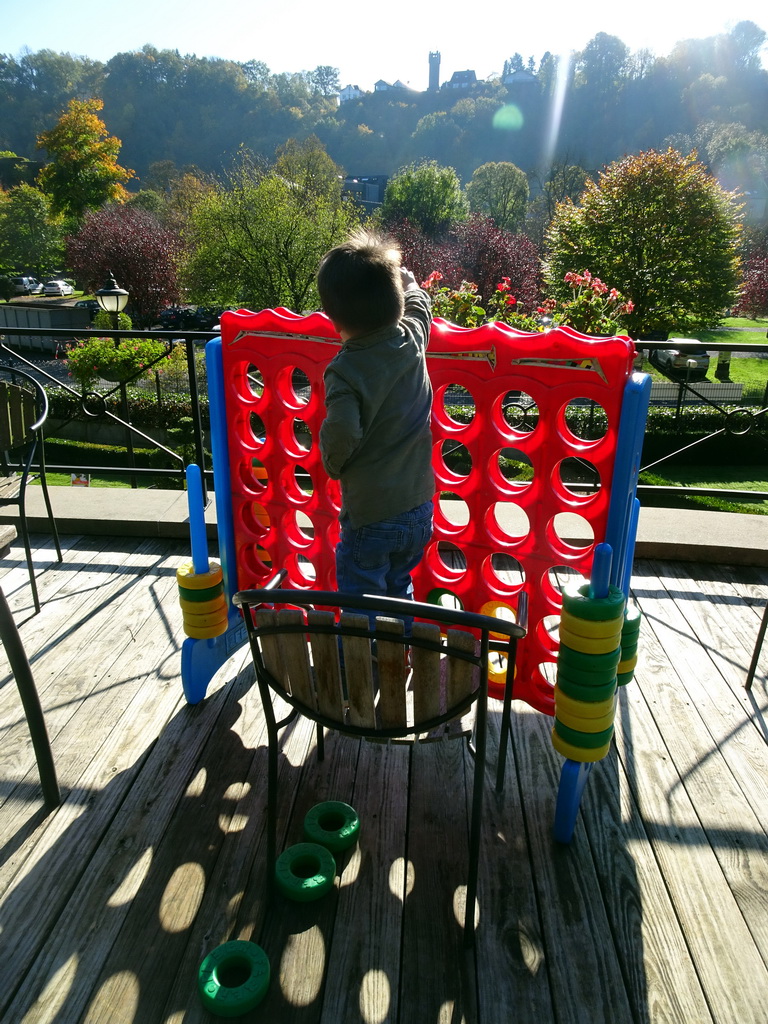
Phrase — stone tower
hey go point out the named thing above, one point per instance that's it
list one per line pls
(434, 71)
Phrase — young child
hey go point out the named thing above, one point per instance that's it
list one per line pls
(376, 437)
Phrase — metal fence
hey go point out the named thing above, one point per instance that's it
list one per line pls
(695, 416)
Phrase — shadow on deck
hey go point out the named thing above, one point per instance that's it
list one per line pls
(655, 912)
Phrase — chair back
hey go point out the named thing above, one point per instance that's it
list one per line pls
(20, 417)
(348, 663)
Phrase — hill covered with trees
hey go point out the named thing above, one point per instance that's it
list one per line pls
(172, 111)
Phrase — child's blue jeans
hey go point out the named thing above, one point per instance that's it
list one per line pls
(379, 558)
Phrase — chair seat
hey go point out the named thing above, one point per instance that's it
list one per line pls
(7, 536)
(10, 487)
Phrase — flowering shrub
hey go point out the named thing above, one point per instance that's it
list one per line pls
(459, 305)
(100, 358)
(593, 307)
(462, 305)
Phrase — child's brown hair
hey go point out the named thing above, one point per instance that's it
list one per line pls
(360, 285)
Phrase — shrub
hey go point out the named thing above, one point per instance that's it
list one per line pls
(104, 359)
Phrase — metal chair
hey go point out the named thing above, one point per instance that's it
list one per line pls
(23, 412)
(17, 658)
(318, 655)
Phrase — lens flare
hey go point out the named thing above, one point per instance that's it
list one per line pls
(508, 118)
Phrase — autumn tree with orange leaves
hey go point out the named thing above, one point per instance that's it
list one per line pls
(83, 173)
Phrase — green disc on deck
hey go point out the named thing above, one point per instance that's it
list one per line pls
(305, 872)
(233, 979)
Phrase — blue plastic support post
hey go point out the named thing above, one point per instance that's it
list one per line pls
(197, 534)
(201, 659)
(629, 447)
(601, 571)
(220, 453)
(573, 779)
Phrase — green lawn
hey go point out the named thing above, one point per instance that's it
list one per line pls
(755, 332)
(735, 477)
(65, 480)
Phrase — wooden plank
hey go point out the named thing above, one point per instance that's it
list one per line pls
(426, 673)
(297, 936)
(325, 657)
(65, 680)
(460, 672)
(511, 957)
(718, 886)
(233, 904)
(662, 982)
(295, 655)
(126, 823)
(724, 614)
(362, 979)
(358, 673)
(434, 904)
(391, 659)
(580, 956)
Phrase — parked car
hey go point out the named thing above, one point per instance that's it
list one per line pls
(26, 285)
(57, 287)
(91, 305)
(674, 362)
(189, 318)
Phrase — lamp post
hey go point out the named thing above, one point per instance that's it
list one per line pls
(112, 299)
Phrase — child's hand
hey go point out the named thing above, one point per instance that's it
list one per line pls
(407, 279)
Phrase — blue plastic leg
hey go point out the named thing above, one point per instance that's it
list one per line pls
(202, 659)
(573, 779)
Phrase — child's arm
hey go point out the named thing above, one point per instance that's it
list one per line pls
(341, 431)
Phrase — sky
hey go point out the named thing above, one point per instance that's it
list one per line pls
(365, 42)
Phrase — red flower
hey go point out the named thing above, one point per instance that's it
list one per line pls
(511, 300)
(503, 285)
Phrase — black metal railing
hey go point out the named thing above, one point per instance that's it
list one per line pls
(95, 404)
(734, 421)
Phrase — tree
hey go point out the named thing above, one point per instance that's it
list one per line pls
(499, 191)
(84, 172)
(562, 181)
(426, 194)
(325, 80)
(307, 165)
(133, 245)
(256, 239)
(659, 229)
(31, 236)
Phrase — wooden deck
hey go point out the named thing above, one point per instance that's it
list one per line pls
(658, 910)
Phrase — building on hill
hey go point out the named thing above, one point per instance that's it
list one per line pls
(382, 86)
(519, 77)
(350, 92)
(367, 189)
(462, 80)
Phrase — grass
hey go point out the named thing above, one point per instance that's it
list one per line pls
(726, 477)
(755, 332)
(65, 480)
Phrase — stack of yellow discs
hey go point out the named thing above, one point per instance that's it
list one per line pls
(590, 649)
(202, 600)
